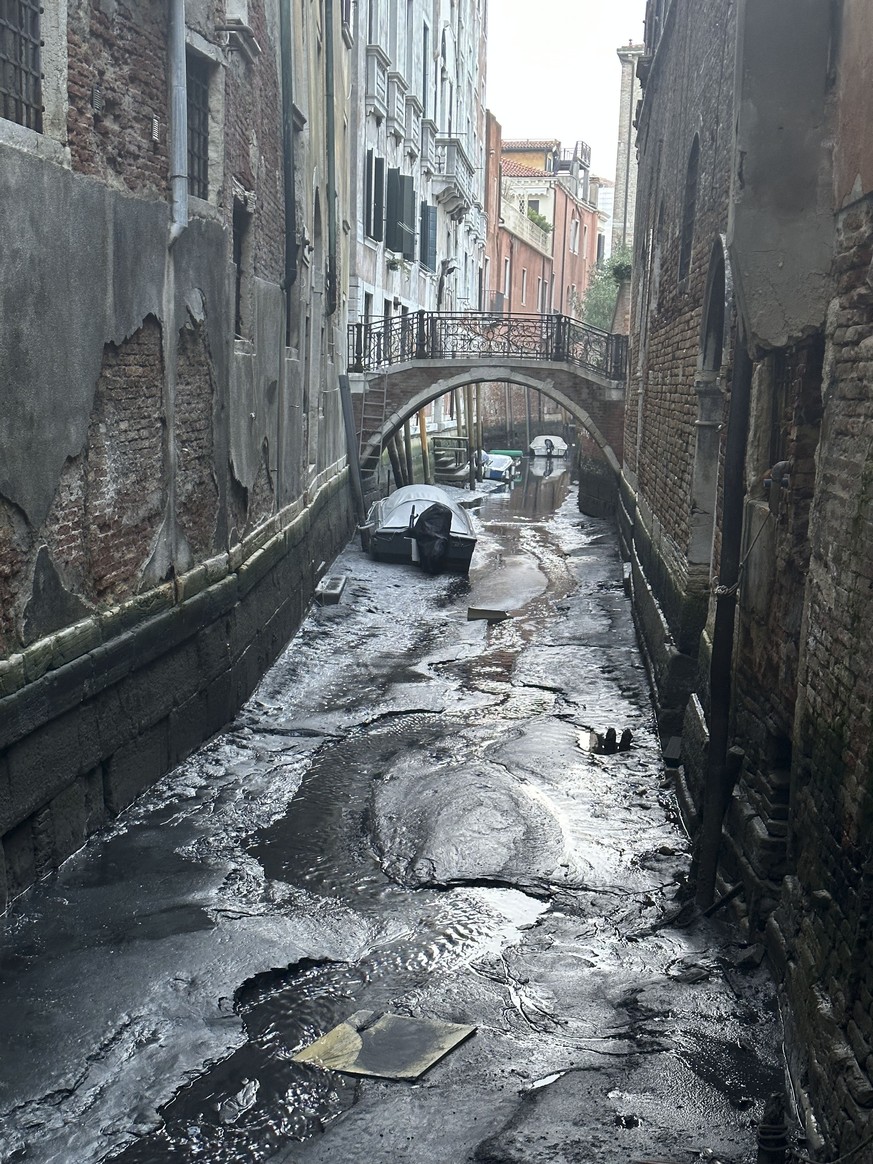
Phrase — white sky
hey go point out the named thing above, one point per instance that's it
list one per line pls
(553, 72)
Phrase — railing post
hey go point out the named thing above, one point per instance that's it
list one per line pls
(434, 335)
(358, 365)
(420, 348)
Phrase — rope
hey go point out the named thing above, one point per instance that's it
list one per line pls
(728, 591)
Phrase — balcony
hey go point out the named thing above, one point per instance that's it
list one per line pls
(396, 105)
(522, 227)
(453, 179)
(412, 142)
(377, 81)
(428, 144)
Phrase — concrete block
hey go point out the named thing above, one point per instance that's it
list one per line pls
(12, 674)
(135, 766)
(69, 821)
(43, 763)
(187, 727)
(74, 641)
(95, 804)
(20, 866)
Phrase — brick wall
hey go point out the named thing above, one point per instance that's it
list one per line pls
(122, 49)
(687, 94)
(824, 927)
(110, 499)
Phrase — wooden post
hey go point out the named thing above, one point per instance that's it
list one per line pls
(426, 470)
(479, 443)
(407, 449)
(468, 408)
(393, 457)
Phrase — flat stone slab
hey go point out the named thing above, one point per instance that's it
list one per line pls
(387, 1046)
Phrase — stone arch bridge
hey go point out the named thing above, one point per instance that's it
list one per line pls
(399, 364)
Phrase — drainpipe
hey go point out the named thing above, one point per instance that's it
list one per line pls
(288, 166)
(722, 767)
(178, 121)
(330, 127)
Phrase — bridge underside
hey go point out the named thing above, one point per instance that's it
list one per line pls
(595, 402)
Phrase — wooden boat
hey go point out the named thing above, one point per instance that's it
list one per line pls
(548, 446)
(420, 523)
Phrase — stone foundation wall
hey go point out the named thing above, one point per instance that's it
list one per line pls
(91, 716)
(822, 934)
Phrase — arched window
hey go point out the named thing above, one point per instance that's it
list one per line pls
(689, 209)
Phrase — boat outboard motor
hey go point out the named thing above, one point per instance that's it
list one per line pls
(431, 532)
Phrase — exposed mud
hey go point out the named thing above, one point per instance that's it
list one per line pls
(405, 817)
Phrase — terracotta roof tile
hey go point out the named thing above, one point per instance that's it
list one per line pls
(512, 169)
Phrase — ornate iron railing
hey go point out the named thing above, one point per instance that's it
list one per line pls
(429, 335)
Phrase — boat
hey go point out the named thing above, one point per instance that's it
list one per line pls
(498, 467)
(548, 446)
(420, 523)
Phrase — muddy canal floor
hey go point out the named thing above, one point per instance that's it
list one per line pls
(403, 818)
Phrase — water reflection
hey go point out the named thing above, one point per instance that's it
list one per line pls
(538, 491)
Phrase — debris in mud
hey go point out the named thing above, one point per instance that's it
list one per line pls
(388, 1046)
(607, 744)
(482, 613)
(329, 590)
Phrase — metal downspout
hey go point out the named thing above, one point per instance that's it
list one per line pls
(286, 33)
(330, 126)
(721, 774)
(178, 121)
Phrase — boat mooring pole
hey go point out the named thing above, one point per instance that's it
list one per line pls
(425, 450)
(468, 408)
(393, 457)
(479, 442)
(407, 448)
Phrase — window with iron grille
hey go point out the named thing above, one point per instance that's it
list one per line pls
(198, 125)
(20, 87)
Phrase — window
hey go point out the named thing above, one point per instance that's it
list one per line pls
(400, 215)
(428, 238)
(374, 197)
(198, 126)
(524, 285)
(574, 236)
(689, 209)
(534, 205)
(20, 64)
(539, 294)
(506, 278)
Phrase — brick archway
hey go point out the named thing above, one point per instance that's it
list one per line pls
(595, 402)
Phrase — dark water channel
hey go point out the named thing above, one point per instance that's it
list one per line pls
(401, 819)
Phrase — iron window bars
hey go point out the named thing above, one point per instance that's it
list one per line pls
(20, 66)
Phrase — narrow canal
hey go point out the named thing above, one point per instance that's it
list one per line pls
(405, 818)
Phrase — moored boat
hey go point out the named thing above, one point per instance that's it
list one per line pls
(498, 467)
(548, 446)
(420, 523)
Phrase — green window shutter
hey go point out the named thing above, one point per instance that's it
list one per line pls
(368, 195)
(408, 225)
(394, 212)
(378, 232)
(432, 237)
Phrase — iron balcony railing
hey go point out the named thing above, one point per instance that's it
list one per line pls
(429, 335)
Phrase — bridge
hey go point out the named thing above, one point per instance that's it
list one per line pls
(399, 364)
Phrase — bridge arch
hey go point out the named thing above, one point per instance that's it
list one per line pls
(410, 387)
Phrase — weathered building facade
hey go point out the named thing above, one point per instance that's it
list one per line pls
(173, 462)
(745, 508)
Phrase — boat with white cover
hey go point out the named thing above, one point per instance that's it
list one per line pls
(420, 523)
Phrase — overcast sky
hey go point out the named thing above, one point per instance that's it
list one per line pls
(553, 72)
